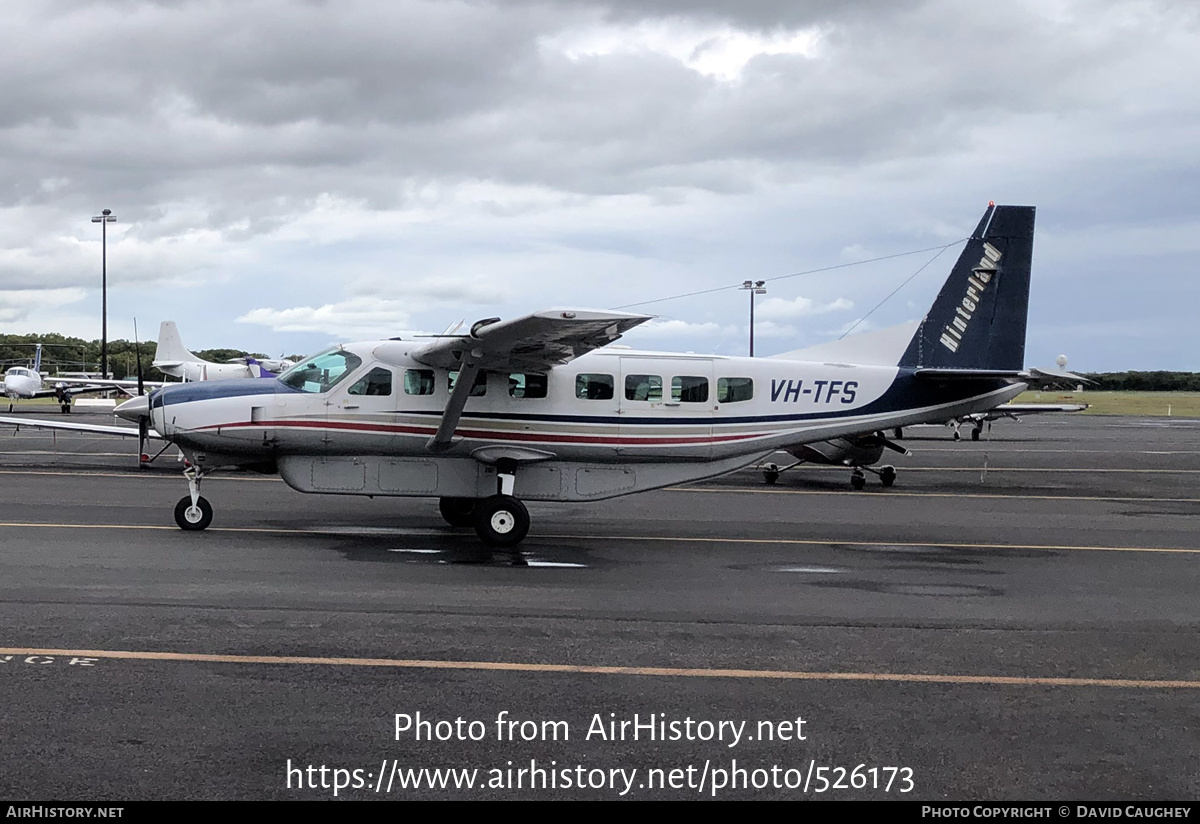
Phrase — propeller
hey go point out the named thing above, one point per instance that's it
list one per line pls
(144, 420)
(878, 439)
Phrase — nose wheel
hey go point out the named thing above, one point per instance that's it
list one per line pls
(193, 516)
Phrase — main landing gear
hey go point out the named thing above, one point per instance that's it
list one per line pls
(500, 520)
(193, 512)
(858, 480)
(976, 431)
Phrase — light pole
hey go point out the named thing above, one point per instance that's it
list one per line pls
(104, 218)
(754, 287)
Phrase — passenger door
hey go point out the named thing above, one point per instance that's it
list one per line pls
(666, 406)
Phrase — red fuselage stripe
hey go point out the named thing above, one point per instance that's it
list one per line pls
(478, 433)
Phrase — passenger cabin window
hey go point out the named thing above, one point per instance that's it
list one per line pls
(376, 382)
(689, 389)
(321, 372)
(594, 387)
(418, 382)
(643, 388)
(732, 390)
(526, 385)
(478, 389)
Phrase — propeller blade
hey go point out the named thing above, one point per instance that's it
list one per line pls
(143, 436)
(137, 348)
(895, 447)
(878, 439)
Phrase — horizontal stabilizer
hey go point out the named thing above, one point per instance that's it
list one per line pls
(1038, 373)
(1024, 375)
(972, 374)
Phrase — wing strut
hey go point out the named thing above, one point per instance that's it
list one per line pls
(467, 371)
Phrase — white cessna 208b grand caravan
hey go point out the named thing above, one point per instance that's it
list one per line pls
(535, 409)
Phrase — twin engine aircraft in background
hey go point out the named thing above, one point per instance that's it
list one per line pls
(536, 409)
(172, 358)
(1012, 411)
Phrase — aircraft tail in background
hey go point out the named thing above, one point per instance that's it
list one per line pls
(171, 351)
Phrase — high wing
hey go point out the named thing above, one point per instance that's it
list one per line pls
(532, 343)
(98, 429)
(101, 384)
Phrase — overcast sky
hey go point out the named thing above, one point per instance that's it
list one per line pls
(286, 174)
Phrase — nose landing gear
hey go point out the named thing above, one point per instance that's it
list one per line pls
(193, 512)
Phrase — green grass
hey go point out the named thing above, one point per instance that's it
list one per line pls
(1176, 404)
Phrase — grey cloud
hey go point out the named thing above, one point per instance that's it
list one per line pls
(153, 103)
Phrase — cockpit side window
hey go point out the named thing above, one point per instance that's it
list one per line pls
(321, 372)
(418, 382)
(376, 382)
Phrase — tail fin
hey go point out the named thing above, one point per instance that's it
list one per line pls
(170, 345)
(978, 319)
(37, 360)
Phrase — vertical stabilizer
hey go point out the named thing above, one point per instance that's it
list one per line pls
(978, 320)
(37, 360)
(170, 345)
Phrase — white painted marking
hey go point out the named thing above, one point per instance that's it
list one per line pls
(365, 530)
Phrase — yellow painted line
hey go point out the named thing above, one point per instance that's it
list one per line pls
(585, 669)
(332, 531)
(981, 468)
(892, 493)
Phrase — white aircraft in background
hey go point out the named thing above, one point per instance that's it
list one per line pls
(535, 409)
(173, 358)
(21, 383)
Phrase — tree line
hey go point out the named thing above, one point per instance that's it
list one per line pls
(1158, 381)
(65, 354)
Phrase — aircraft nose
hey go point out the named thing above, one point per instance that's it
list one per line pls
(134, 409)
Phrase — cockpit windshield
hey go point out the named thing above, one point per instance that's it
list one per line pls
(322, 371)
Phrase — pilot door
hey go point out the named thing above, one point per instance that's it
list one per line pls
(666, 407)
(361, 413)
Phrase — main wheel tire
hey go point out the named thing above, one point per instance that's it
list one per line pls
(974, 434)
(193, 517)
(887, 475)
(501, 520)
(771, 473)
(858, 481)
(458, 511)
